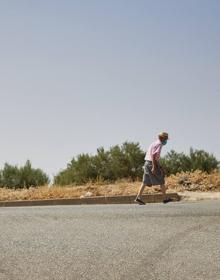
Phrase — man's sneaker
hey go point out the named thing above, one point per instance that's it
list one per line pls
(167, 200)
(138, 200)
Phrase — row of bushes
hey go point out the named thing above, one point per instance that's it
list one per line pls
(175, 162)
(125, 161)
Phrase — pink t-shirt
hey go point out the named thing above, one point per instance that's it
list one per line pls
(154, 149)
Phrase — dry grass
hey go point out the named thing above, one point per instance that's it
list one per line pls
(196, 181)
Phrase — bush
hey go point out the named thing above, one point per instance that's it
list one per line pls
(119, 162)
(175, 162)
(202, 160)
(23, 177)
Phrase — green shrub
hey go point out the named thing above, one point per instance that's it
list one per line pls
(119, 162)
(202, 160)
(23, 177)
(175, 162)
(126, 161)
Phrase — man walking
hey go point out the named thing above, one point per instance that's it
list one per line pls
(153, 173)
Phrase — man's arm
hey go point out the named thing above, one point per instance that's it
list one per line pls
(154, 163)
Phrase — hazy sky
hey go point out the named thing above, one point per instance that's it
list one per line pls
(77, 75)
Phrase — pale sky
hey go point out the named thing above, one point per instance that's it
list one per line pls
(77, 75)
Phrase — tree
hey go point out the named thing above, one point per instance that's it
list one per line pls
(118, 162)
(23, 177)
(175, 162)
(203, 161)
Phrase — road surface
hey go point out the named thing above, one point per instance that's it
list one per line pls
(174, 241)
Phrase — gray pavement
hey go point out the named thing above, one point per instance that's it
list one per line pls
(174, 241)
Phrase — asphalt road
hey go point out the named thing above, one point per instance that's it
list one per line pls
(156, 241)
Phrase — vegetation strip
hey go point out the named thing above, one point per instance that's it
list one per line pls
(120, 162)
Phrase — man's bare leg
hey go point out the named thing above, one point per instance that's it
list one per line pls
(141, 190)
(138, 198)
(164, 189)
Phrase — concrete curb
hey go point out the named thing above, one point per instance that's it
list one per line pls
(148, 198)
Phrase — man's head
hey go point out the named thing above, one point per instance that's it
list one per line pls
(163, 137)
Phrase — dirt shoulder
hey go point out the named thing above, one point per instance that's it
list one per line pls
(188, 185)
(197, 196)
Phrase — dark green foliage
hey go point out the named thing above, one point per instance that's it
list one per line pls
(203, 161)
(23, 177)
(119, 162)
(175, 162)
(126, 161)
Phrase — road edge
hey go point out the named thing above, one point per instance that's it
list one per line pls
(128, 199)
